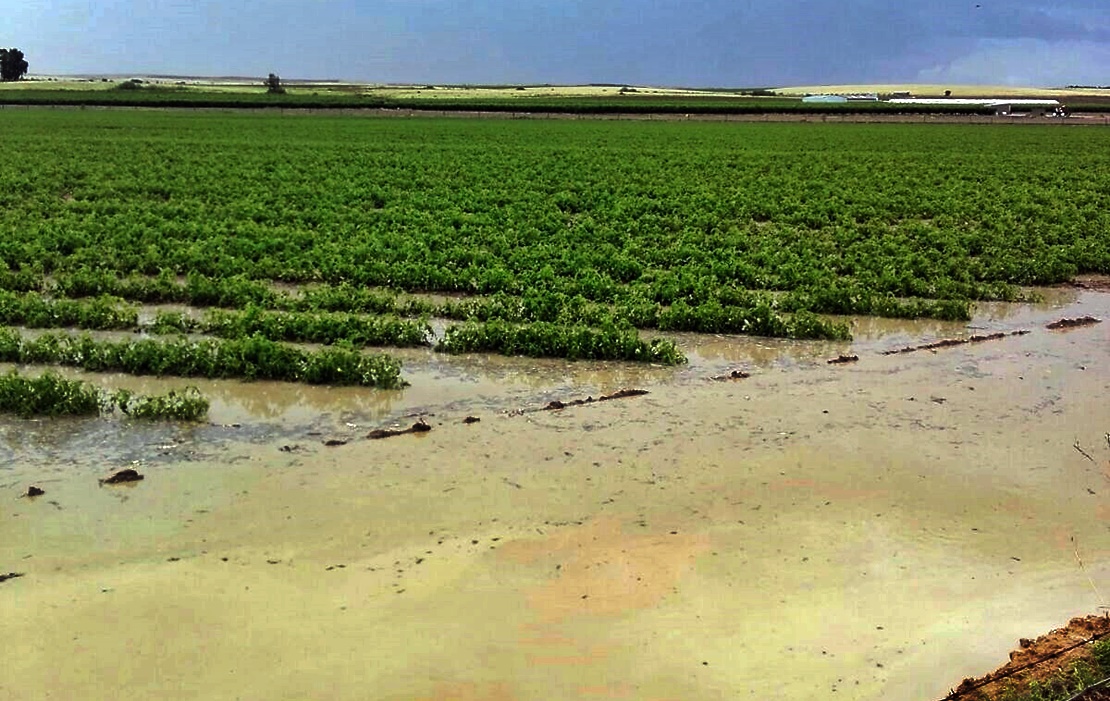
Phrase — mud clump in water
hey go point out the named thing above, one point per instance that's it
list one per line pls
(1039, 660)
(123, 477)
(1073, 323)
(33, 492)
(555, 405)
(734, 375)
(420, 426)
(471, 420)
(948, 342)
(843, 359)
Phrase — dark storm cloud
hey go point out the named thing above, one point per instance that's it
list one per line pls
(713, 42)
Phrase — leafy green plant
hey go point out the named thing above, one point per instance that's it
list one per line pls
(545, 340)
(50, 394)
(248, 358)
(184, 405)
(47, 395)
(34, 311)
(680, 227)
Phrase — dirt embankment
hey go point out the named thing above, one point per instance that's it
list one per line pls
(1040, 660)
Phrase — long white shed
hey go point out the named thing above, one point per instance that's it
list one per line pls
(1001, 105)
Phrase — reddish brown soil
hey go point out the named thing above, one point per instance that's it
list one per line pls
(1100, 694)
(1092, 283)
(1039, 660)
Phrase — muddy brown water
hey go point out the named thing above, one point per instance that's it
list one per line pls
(880, 529)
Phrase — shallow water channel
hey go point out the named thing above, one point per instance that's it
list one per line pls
(879, 529)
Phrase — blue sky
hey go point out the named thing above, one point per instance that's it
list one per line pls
(739, 43)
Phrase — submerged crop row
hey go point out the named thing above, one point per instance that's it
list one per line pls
(323, 313)
(724, 228)
(543, 340)
(251, 358)
(50, 394)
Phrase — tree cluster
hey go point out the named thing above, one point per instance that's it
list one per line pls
(274, 86)
(13, 65)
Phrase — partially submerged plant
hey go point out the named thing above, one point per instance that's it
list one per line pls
(51, 394)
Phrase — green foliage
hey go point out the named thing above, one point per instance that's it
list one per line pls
(252, 358)
(1100, 651)
(185, 405)
(721, 228)
(546, 340)
(33, 311)
(1067, 682)
(760, 320)
(50, 394)
(13, 65)
(47, 395)
(320, 327)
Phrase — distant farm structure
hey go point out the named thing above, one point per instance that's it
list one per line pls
(1002, 106)
(854, 97)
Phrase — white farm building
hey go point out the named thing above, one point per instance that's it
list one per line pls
(1001, 105)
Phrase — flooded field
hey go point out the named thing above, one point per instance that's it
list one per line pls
(879, 529)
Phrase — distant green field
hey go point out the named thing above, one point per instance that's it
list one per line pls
(554, 237)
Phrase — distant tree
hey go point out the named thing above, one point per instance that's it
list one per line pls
(274, 86)
(12, 64)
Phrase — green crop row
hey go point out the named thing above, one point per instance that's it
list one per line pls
(253, 358)
(299, 327)
(34, 311)
(742, 228)
(50, 394)
(544, 340)
(185, 405)
(316, 325)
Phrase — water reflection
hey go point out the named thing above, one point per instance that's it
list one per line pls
(475, 383)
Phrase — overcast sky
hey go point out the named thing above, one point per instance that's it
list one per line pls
(740, 43)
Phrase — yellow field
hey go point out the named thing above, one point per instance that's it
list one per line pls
(527, 91)
(375, 89)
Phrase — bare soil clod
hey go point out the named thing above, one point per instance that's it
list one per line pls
(1036, 660)
(948, 342)
(1073, 323)
(420, 426)
(1091, 283)
(619, 394)
(734, 375)
(122, 477)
